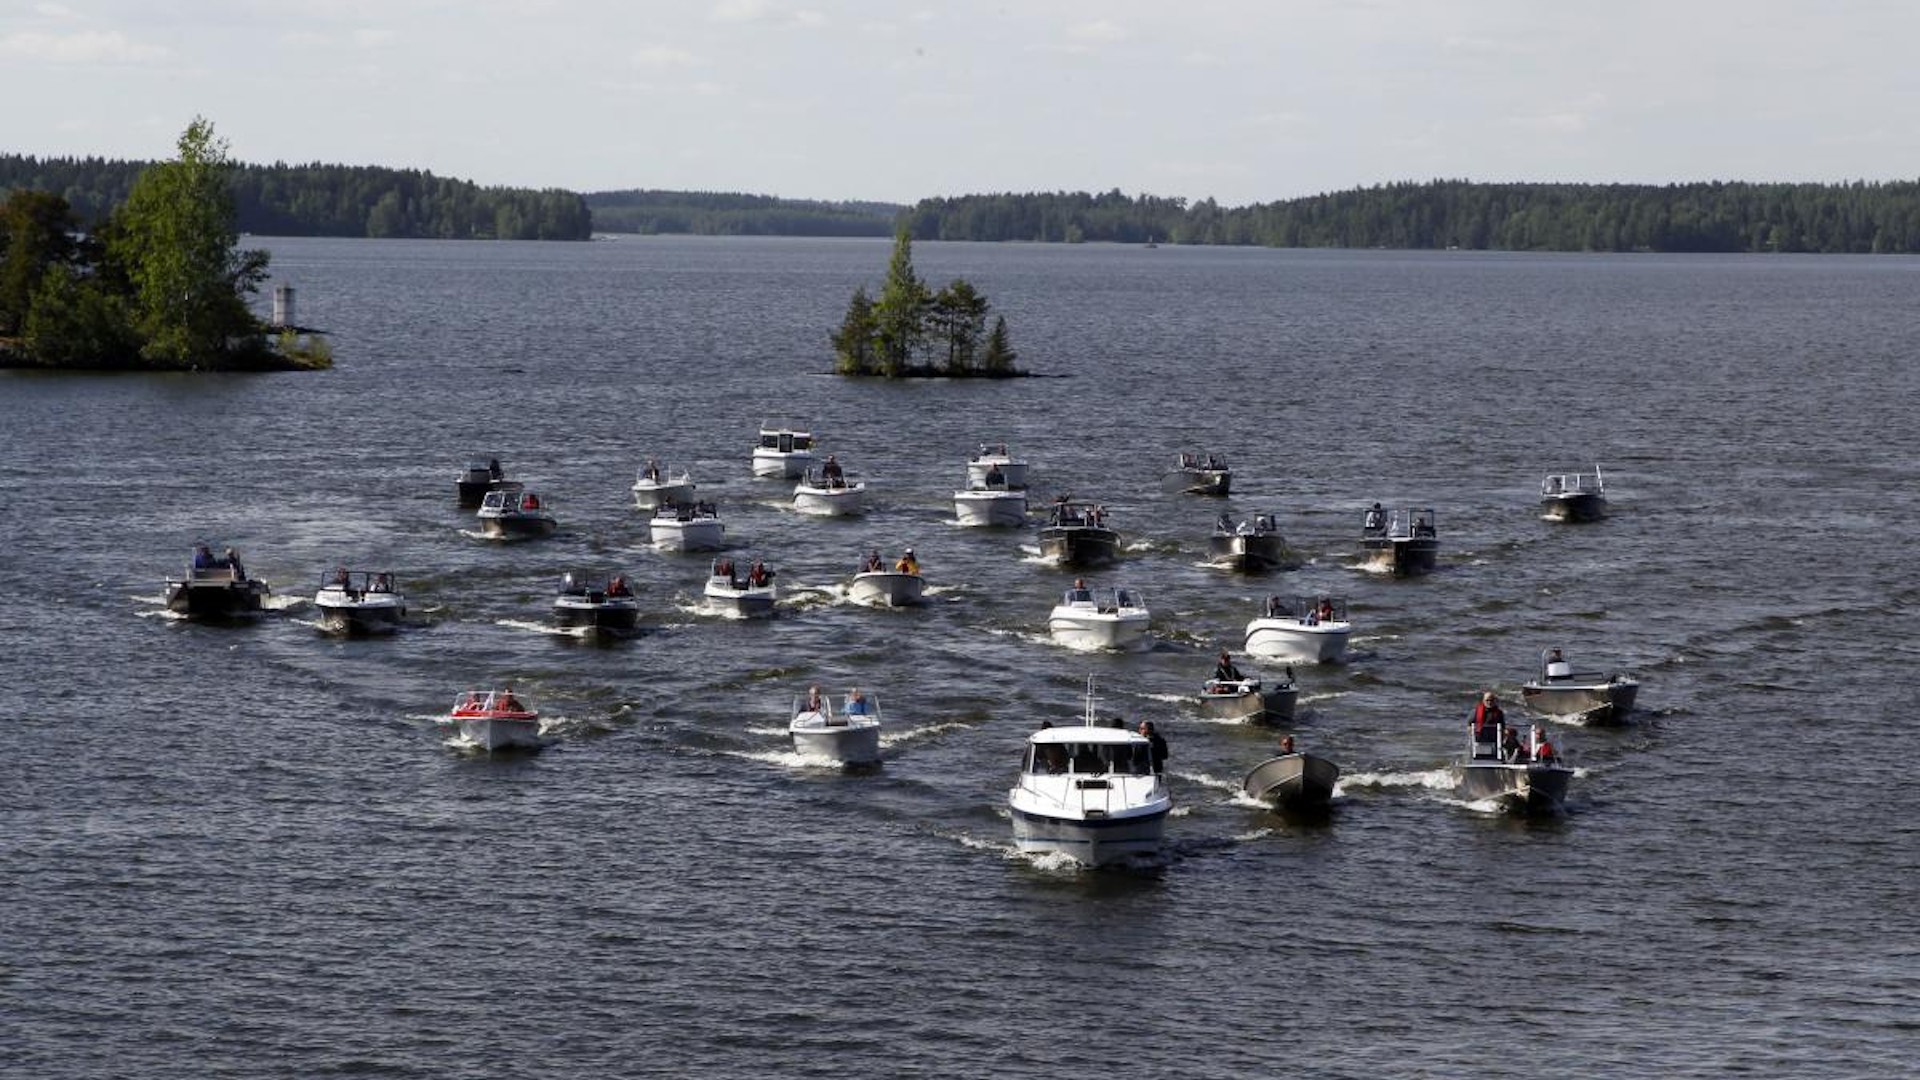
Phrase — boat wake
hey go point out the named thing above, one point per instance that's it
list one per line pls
(1432, 779)
(283, 602)
(546, 629)
(927, 731)
(789, 759)
(1167, 699)
(1205, 780)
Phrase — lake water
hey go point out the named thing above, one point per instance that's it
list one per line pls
(241, 852)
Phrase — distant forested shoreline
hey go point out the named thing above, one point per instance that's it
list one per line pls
(1857, 218)
(712, 213)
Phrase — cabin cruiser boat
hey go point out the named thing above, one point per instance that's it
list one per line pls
(1248, 700)
(993, 467)
(1593, 696)
(783, 453)
(656, 485)
(1293, 782)
(1199, 474)
(1251, 546)
(826, 492)
(694, 526)
(514, 514)
(1099, 619)
(749, 597)
(359, 602)
(216, 589)
(1301, 629)
(606, 607)
(1076, 534)
(844, 729)
(1401, 542)
(899, 587)
(989, 501)
(495, 720)
(1522, 776)
(479, 478)
(1574, 496)
(1089, 793)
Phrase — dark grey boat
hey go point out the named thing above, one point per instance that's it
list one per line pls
(1293, 782)
(1593, 696)
(359, 602)
(1251, 546)
(1403, 542)
(1076, 535)
(1522, 777)
(1247, 700)
(216, 589)
(1199, 474)
(1574, 496)
(606, 607)
(479, 478)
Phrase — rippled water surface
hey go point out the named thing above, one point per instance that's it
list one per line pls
(250, 851)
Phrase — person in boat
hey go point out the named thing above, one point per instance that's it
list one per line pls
(1423, 526)
(1079, 594)
(493, 469)
(872, 565)
(1326, 609)
(617, 586)
(907, 564)
(832, 473)
(1488, 719)
(652, 472)
(1276, 608)
(814, 704)
(1223, 523)
(231, 560)
(995, 478)
(1376, 519)
(856, 702)
(758, 575)
(383, 583)
(1510, 749)
(203, 558)
(1286, 744)
(1543, 751)
(1156, 747)
(509, 703)
(1557, 666)
(340, 577)
(1224, 671)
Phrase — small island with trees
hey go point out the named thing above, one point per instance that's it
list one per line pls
(159, 284)
(913, 332)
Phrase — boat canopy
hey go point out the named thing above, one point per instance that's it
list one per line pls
(1574, 483)
(1307, 609)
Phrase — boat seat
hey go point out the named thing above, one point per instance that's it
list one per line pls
(1559, 669)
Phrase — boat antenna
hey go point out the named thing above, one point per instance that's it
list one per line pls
(1090, 715)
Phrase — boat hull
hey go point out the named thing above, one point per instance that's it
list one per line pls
(788, 466)
(474, 492)
(1290, 639)
(887, 588)
(1528, 789)
(1595, 702)
(217, 601)
(1092, 841)
(990, 509)
(1250, 554)
(518, 526)
(360, 619)
(856, 742)
(831, 502)
(652, 496)
(1080, 545)
(495, 733)
(607, 617)
(698, 535)
(740, 603)
(1083, 630)
(1202, 481)
(1293, 782)
(1253, 707)
(1579, 506)
(1401, 558)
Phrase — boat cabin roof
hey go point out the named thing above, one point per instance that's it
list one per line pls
(1106, 736)
(1572, 483)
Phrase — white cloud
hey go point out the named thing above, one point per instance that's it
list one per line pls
(1101, 30)
(55, 11)
(1200, 58)
(809, 18)
(664, 56)
(739, 11)
(368, 37)
(82, 47)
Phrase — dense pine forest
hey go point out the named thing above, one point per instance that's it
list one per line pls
(1718, 217)
(726, 214)
(327, 200)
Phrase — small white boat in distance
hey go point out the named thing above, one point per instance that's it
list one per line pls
(989, 501)
(495, 720)
(657, 485)
(826, 492)
(1199, 474)
(993, 467)
(844, 729)
(749, 597)
(1108, 618)
(514, 514)
(901, 586)
(1089, 793)
(359, 602)
(1574, 496)
(1593, 696)
(1303, 630)
(783, 452)
(694, 526)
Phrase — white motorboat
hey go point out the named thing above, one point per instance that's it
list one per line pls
(826, 492)
(783, 452)
(480, 477)
(1089, 793)
(1293, 782)
(989, 501)
(216, 589)
(1076, 534)
(606, 607)
(992, 466)
(844, 729)
(358, 602)
(515, 514)
(694, 526)
(1522, 776)
(1199, 474)
(1107, 618)
(1593, 696)
(901, 586)
(749, 597)
(1253, 545)
(1402, 542)
(1305, 630)
(1574, 496)
(656, 485)
(495, 720)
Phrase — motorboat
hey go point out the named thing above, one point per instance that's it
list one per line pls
(216, 588)
(1249, 700)
(1251, 545)
(657, 485)
(1593, 696)
(1306, 630)
(515, 514)
(783, 452)
(359, 602)
(1108, 618)
(1076, 534)
(1402, 542)
(844, 729)
(1199, 474)
(748, 597)
(1089, 793)
(480, 477)
(1293, 782)
(901, 586)
(1574, 496)
(495, 720)
(608, 606)
(989, 500)
(992, 466)
(694, 526)
(826, 492)
(1522, 776)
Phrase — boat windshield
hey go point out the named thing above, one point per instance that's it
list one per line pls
(1090, 759)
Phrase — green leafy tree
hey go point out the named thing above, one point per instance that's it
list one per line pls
(853, 345)
(899, 316)
(999, 357)
(958, 318)
(36, 234)
(73, 321)
(175, 239)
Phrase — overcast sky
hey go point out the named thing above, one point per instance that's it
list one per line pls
(1242, 101)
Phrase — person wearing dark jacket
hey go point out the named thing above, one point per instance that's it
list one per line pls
(1156, 747)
